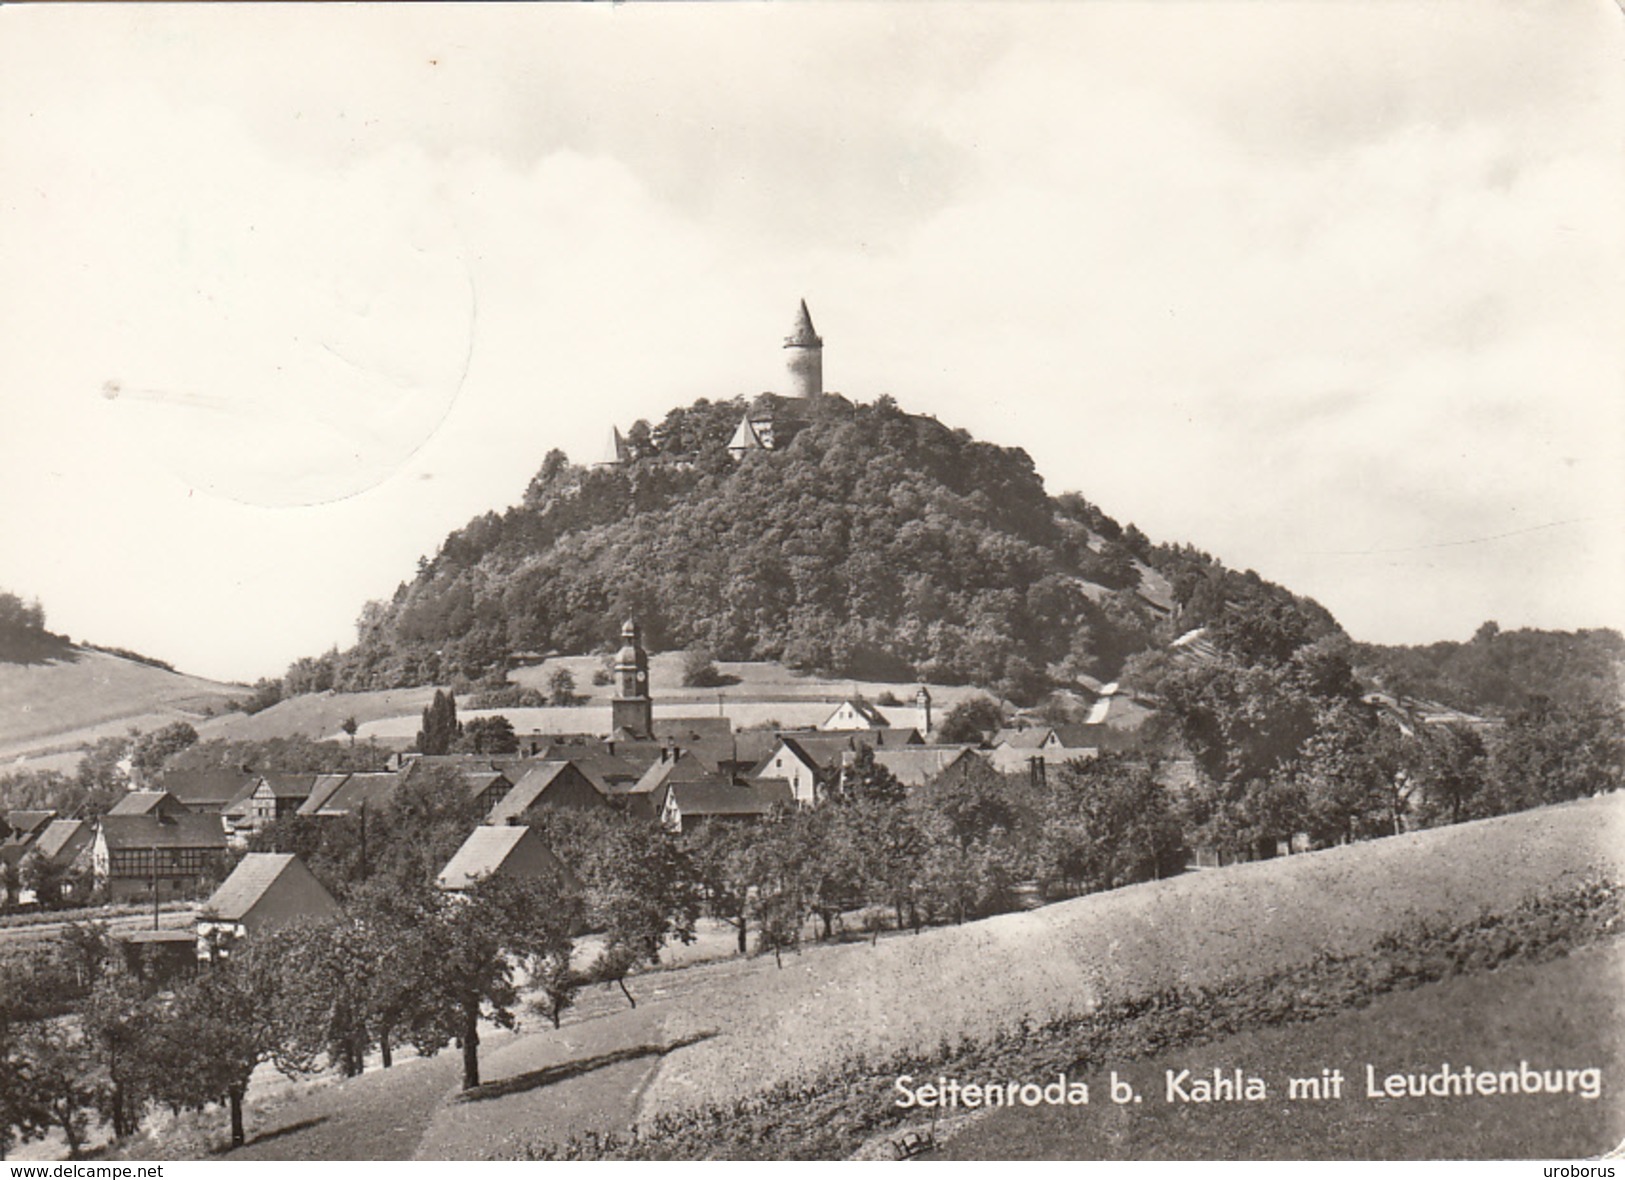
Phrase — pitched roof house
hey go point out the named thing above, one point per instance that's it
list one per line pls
(135, 855)
(24, 827)
(143, 802)
(918, 766)
(349, 793)
(689, 804)
(856, 713)
(266, 889)
(559, 784)
(508, 850)
(65, 841)
(207, 790)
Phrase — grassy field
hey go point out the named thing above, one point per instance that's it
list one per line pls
(72, 701)
(761, 695)
(911, 994)
(1559, 1014)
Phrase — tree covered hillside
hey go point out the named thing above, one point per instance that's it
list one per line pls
(871, 542)
(1500, 670)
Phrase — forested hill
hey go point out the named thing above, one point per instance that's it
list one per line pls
(869, 542)
(1497, 670)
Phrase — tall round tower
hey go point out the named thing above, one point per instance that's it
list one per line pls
(806, 357)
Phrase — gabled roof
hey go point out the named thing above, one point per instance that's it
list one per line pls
(915, 766)
(509, 849)
(1027, 738)
(695, 800)
(685, 768)
(609, 773)
(269, 885)
(753, 745)
(321, 792)
(480, 781)
(203, 790)
(153, 830)
(287, 786)
(745, 437)
(142, 802)
(26, 825)
(533, 785)
(871, 715)
(373, 788)
(692, 729)
(63, 836)
(821, 750)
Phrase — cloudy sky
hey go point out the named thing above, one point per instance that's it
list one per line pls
(1332, 291)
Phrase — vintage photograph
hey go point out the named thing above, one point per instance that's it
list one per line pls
(797, 581)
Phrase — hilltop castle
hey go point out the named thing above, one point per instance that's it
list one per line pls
(804, 360)
(806, 366)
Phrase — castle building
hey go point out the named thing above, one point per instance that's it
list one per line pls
(631, 709)
(806, 357)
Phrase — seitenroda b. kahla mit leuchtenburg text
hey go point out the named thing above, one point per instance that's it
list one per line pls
(1231, 1085)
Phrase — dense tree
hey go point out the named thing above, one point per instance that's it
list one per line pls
(972, 720)
(1450, 770)
(151, 750)
(1108, 822)
(440, 726)
(489, 735)
(561, 688)
(642, 890)
(215, 1030)
(1547, 754)
(474, 941)
(62, 1089)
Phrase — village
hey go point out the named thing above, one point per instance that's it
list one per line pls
(164, 843)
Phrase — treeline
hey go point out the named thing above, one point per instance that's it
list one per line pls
(23, 637)
(398, 967)
(1500, 671)
(870, 543)
(1290, 752)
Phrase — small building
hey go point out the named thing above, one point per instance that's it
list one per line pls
(919, 766)
(559, 785)
(350, 794)
(277, 796)
(208, 791)
(797, 764)
(1036, 762)
(856, 713)
(24, 827)
(147, 802)
(506, 850)
(67, 844)
(688, 805)
(648, 797)
(751, 435)
(137, 856)
(265, 890)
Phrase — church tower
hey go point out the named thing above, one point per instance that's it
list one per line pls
(806, 359)
(631, 709)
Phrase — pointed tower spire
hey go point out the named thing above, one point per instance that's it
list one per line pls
(806, 359)
(615, 450)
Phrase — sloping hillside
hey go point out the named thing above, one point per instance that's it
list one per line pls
(911, 994)
(869, 542)
(84, 695)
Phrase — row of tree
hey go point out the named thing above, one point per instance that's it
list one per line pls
(414, 966)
